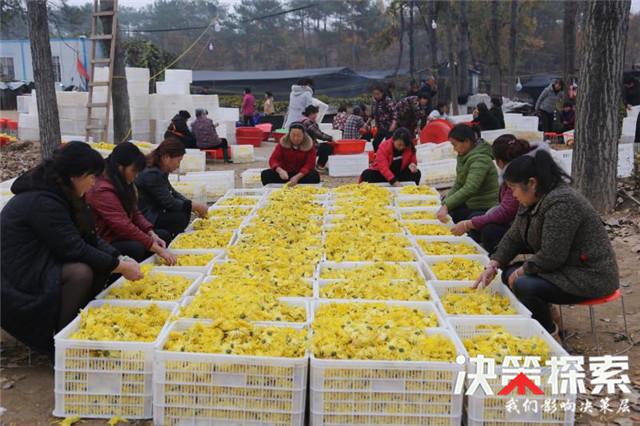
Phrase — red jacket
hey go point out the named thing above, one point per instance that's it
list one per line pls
(384, 158)
(301, 160)
(112, 221)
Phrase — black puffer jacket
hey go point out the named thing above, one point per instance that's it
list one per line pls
(40, 231)
(156, 195)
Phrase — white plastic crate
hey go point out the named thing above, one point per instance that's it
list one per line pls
(320, 282)
(194, 277)
(216, 183)
(232, 240)
(403, 200)
(347, 165)
(193, 161)
(365, 392)
(405, 212)
(431, 152)
(429, 261)
(215, 389)
(172, 87)
(102, 379)
(447, 239)
(155, 260)
(178, 75)
(426, 222)
(440, 288)
(249, 209)
(299, 302)
(251, 178)
(439, 174)
(246, 192)
(194, 191)
(242, 154)
(483, 409)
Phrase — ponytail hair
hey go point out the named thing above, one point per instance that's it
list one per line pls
(507, 148)
(125, 154)
(460, 132)
(539, 166)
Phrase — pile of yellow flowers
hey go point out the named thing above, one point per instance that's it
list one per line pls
(218, 222)
(235, 337)
(119, 323)
(441, 248)
(375, 224)
(238, 201)
(469, 301)
(430, 202)
(229, 212)
(247, 299)
(418, 215)
(495, 342)
(362, 190)
(349, 246)
(427, 229)
(418, 190)
(281, 278)
(376, 331)
(190, 260)
(373, 271)
(203, 239)
(457, 269)
(379, 289)
(103, 145)
(154, 286)
(298, 255)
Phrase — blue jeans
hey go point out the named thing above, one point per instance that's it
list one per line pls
(537, 294)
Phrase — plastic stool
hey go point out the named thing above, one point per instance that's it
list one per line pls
(601, 301)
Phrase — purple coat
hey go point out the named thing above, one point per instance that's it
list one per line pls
(502, 214)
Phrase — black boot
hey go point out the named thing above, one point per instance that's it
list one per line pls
(225, 155)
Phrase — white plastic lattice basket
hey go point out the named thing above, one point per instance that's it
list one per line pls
(410, 231)
(102, 379)
(406, 213)
(430, 261)
(156, 260)
(321, 281)
(438, 174)
(216, 389)
(215, 183)
(404, 201)
(194, 277)
(446, 239)
(242, 153)
(484, 409)
(194, 191)
(441, 288)
(232, 238)
(347, 165)
(365, 392)
(251, 178)
(193, 161)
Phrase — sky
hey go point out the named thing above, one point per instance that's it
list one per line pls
(635, 4)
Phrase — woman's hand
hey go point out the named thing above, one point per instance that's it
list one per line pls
(443, 214)
(282, 173)
(169, 258)
(413, 168)
(200, 209)
(487, 276)
(295, 180)
(514, 276)
(157, 240)
(397, 185)
(461, 228)
(129, 269)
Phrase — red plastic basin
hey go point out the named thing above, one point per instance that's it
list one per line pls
(249, 140)
(436, 132)
(348, 146)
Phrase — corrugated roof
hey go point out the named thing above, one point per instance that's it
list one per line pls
(203, 75)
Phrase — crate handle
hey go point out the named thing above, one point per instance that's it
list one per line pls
(387, 385)
(229, 379)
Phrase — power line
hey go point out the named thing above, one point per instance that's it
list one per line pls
(201, 27)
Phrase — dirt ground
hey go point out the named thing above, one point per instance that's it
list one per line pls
(27, 379)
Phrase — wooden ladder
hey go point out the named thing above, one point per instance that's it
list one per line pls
(101, 10)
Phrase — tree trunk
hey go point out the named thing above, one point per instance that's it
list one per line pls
(453, 77)
(122, 130)
(412, 66)
(463, 56)
(513, 52)
(48, 120)
(569, 40)
(400, 38)
(598, 122)
(494, 46)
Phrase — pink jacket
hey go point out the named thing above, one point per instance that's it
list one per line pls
(502, 214)
(248, 104)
